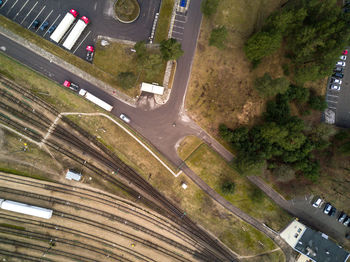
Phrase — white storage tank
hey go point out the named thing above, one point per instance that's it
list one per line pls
(26, 209)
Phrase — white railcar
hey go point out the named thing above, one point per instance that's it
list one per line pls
(26, 209)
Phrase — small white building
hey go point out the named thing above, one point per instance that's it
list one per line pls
(150, 88)
(71, 175)
(184, 185)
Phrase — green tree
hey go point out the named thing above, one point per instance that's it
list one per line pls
(228, 187)
(126, 79)
(218, 37)
(170, 49)
(209, 7)
(141, 50)
(317, 102)
(262, 44)
(269, 87)
(256, 195)
(298, 93)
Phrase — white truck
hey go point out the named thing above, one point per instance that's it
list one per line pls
(95, 100)
(62, 28)
(76, 32)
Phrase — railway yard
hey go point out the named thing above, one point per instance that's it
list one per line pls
(89, 225)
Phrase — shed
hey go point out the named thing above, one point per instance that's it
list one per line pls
(71, 175)
(26, 209)
(155, 89)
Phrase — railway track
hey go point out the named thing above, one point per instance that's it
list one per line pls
(214, 252)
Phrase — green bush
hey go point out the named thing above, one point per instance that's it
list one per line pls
(218, 37)
(228, 187)
(209, 7)
(317, 102)
(170, 49)
(269, 87)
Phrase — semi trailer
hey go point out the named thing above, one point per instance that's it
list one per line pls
(76, 32)
(64, 25)
(95, 100)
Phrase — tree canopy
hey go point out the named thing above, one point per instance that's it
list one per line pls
(218, 37)
(170, 49)
(269, 87)
(209, 7)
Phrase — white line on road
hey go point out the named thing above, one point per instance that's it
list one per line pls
(11, 7)
(52, 24)
(29, 12)
(37, 16)
(179, 26)
(21, 9)
(332, 95)
(332, 107)
(4, 4)
(180, 15)
(179, 21)
(81, 42)
(181, 33)
(330, 101)
(44, 20)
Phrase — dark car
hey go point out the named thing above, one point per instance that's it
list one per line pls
(44, 26)
(347, 222)
(35, 24)
(342, 217)
(338, 69)
(90, 53)
(347, 236)
(339, 75)
(1, 2)
(51, 29)
(332, 212)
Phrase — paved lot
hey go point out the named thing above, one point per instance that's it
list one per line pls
(338, 101)
(99, 12)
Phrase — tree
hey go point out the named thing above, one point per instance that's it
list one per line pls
(170, 49)
(228, 187)
(262, 44)
(141, 50)
(269, 87)
(126, 79)
(218, 37)
(298, 93)
(317, 102)
(209, 7)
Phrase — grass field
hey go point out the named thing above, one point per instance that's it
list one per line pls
(164, 20)
(214, 170)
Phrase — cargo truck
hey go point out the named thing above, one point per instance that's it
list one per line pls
(63, 27)
(76, 32)
(95, 100)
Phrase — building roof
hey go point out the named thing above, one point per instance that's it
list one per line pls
(26, 209)
(71, 175)
(155, 89)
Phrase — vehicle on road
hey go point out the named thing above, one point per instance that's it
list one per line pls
(334, 87)
(90, 53)
(35, 24)
(332, 212)
(44, 26)
(76, 32)
(342, 217)
(71, 85)
(340, 63)
(338, 69)
(51, 29)
(343, 57)
(317, 203)
(125, 118)
(339, 75)
(327, 208)
(95, 100)
(345, 52)
(64, 25)
(347, 222)
(336, 81)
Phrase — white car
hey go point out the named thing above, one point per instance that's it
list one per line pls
(334, 87)
(336, 81)
(125, 118)
(340, 63)
(317, 203)
(343, 57)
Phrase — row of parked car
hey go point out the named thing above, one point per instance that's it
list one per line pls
(337, 76)
(331, 211)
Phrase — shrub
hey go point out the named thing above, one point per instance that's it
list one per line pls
(209, 7)
(228, 187)
(218, 37)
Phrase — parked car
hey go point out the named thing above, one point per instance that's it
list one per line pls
(1, 2)
(35, 24)
(332, 212)
(125, 118)
(317, 203)
(51, 29)
(338, 69)
(337, 74)
(327, 208)
(346, 222)
(334, 87)
(340, 63)
(71, 85)
(342, 217)
(90, 53)
(336, 81)
(343, 57)
(44, 26)
(345, 52)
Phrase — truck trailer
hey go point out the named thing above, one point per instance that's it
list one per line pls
(63, 27)
(76, 32)
(95, 100)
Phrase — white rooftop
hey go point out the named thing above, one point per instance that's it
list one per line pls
(71, 175)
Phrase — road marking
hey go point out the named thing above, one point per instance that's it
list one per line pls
(332, 95)
(177, 14)
(181, 33)
(177, 38)
(330, 101)
(44, 20)
(179, 21)
(11, 7)
(29, 12)
(332, 107)
(21, 9)
(95, 6)
(4, 4)
(52, 24)
(81, 42)
(37, 16)
(179, 27)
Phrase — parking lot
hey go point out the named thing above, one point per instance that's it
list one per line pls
(179, 26)
(100, 14)
(338, 101)
(316, 219)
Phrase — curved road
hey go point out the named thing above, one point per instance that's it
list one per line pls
(156, 125)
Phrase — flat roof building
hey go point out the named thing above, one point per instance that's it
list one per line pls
(315, 245)
(71, 175)
(150, 88)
